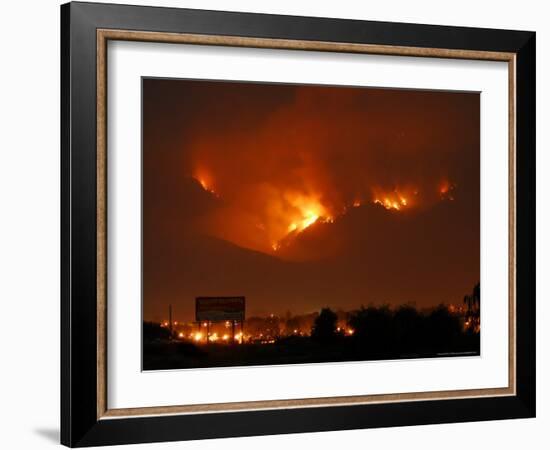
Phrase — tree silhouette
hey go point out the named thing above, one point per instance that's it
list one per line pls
(374, 329)
(153, 331)
(473, 313)
(372, 321)
(468, 299)
(407, 326)
(476, 297)
(443, 329)
(324, 327)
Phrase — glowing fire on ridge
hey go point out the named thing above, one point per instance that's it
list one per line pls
(307, 210)
(206, 187)
(394, 200)
(446, 190)
(388, 203)
(206, 182)
(304, 210)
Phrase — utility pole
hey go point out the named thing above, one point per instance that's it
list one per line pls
(170, 319)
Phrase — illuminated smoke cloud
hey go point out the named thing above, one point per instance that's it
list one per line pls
(323, 151)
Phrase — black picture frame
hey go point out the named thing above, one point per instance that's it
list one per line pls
(80, 425)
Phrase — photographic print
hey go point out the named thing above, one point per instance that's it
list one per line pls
(288, 202)
(292, 224)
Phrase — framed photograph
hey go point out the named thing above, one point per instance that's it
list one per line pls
(277, 224)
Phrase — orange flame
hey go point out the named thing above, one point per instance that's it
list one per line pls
(396, 199)
(308, 210)
(446, 190)
(305, 210)
(206, 181)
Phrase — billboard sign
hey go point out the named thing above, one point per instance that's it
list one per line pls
(217, 309)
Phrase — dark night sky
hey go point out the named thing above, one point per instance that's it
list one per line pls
(289, 212)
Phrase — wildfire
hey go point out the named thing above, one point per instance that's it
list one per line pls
(284, 213)
(207, 187)
(388, 203)
(395, 200)
(206, 182)
(446, 190)
(304, 211)
(310, 219)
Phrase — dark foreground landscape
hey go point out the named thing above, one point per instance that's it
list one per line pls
(373, 333)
